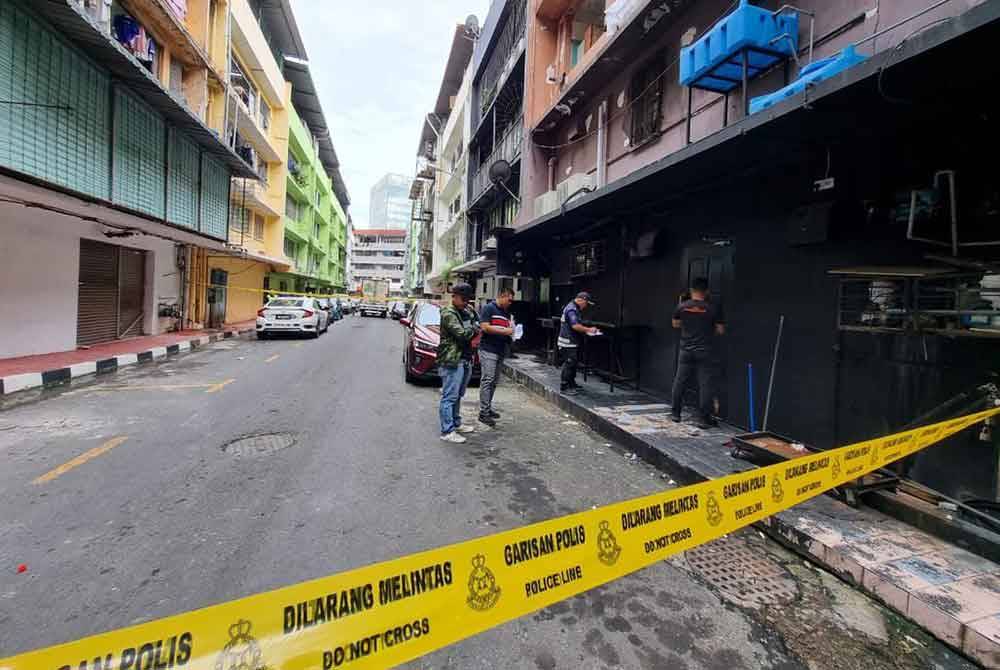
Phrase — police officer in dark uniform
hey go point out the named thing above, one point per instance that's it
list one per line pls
(571, 334)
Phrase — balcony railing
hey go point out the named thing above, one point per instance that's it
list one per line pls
(510, 42)
(508, 148)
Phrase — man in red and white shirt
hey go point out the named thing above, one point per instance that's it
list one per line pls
(498, 332)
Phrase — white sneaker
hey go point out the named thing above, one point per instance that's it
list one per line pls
(454, 438)
(466, 429)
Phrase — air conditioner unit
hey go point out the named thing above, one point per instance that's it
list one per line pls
(546, 203)
(490, 244)
(572, 184)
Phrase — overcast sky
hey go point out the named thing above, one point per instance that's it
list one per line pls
(378, 66)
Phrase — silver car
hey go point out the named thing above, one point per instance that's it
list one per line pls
(292, 314)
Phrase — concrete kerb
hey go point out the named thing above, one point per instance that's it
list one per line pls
(777, 527)
(58, 376)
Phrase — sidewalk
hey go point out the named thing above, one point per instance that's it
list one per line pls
(27, 372)
(952, 593)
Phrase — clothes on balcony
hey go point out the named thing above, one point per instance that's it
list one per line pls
(132, 35)
(178, 7)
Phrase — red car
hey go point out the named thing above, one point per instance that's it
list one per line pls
(421, 337)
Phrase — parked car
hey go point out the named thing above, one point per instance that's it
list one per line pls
(421, 336)
(372, 308)
(292, 314)
(399, 310)
(326, 305)
(346, 306)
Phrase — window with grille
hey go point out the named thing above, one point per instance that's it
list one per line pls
(588, 259)
(292, 208)
(258, 227)
(239, 220)
(646, 93)
(291, 249)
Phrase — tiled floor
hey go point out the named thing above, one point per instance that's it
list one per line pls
(952, 593)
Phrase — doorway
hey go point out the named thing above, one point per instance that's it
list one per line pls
(112, 288)
(714, 262)
(217, 289)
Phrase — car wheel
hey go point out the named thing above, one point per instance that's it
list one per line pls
(314, 334)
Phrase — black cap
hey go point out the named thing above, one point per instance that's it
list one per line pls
(583, 295)
(464, 290)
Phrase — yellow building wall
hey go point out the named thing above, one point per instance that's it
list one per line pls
(242, 305)
(277, 177)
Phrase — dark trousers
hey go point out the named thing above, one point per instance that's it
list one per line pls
(570, 361)
(691, 365)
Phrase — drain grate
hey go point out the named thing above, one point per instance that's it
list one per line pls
(254, 446)
(743, 574)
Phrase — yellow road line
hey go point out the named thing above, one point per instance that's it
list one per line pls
(273, 358)
(219, 386)
(152, 387)
(80, 460)
(297, 345)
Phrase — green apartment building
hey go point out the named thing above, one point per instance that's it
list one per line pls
(315, 223)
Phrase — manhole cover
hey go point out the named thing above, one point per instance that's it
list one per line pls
(743, 574)
(253, 446)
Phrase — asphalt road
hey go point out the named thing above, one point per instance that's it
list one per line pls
(129, 500)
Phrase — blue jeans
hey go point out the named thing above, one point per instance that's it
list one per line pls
(454, 381)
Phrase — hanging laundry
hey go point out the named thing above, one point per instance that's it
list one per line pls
(125, 30)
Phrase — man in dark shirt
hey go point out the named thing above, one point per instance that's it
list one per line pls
(571, 334)
(498, 330)
(700, 322)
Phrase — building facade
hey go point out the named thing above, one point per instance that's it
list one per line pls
(315, 225)
(496, 136)
(800, 187)
(380, 255)
(439, 193)
(389, 203)
(112, 166)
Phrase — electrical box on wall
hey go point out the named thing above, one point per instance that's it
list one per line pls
(810, 224)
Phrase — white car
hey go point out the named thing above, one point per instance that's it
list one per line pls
(291, 314)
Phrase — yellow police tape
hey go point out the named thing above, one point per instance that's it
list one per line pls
(388, 613)
(275, 293)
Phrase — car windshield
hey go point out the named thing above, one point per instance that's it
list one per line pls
(429, 315)
(285, 302)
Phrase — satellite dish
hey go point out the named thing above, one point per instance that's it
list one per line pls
(472, 25)
(500, 172)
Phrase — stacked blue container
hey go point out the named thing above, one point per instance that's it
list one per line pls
(715, 61)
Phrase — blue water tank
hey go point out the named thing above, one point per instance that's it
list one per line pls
(811, 74)
(715, 61)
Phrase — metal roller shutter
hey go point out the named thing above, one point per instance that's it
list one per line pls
(131, 282)
(97, 310)
(214, 197)
(183, 189)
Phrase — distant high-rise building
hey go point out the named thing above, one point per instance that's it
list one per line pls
(390, 203)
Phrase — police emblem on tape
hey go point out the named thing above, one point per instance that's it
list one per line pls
(242, 651)
(483, 590)
(712, 510)
(777, 493)
(835, 468)
(608, 550)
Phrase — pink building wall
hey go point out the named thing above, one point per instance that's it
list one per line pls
(580, 155)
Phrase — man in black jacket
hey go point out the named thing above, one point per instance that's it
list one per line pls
(700, 322)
